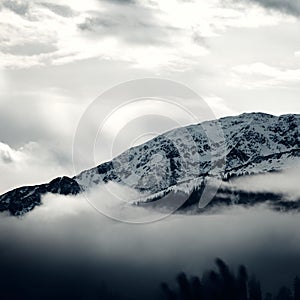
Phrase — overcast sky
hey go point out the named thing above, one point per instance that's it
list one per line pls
(56, 57)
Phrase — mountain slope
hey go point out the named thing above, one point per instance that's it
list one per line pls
(185, 158)
(232, 146)
(21, 200)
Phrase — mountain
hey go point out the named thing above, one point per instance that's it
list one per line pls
(184, 159)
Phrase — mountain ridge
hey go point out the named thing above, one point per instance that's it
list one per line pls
(247, 144)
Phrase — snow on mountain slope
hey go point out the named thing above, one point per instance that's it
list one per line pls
(232, 146)
(185, 158)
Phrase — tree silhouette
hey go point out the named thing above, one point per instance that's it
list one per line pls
(254, 289)
(242, 284)
(284, 294)
(220, 285)
(184, 286)
(297, 288)
(170, 295)
(227, 289)
(269, 296)
(196, 289)
(223, 284)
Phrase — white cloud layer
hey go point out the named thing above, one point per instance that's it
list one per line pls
(262, 75)
(146, 34)
(285, 182)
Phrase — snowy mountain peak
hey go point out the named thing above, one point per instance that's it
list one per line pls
(183, 158)
(250, 143)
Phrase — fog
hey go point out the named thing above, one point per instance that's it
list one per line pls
(66, 247)
(285, 182)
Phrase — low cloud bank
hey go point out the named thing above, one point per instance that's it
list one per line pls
(285, 182)
(67, 247)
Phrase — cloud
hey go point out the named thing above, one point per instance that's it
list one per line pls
(7, 155)
(31, 48)
(151, 35)
(261, 75)
(137, 25)
(30, 164)
(219, 106)
(37, 128)
(291, 7)
(66, 239)
(37, 114)
(19, 7)
(22, 7)
(285, 182)
(61, 10)
(121, 1)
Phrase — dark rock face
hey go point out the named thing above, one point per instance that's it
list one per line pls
(64, 186)
(24, 199)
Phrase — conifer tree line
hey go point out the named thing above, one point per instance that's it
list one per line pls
(224, 284)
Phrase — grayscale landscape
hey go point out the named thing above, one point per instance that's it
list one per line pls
(150, 150)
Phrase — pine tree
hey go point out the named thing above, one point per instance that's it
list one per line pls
(170, 295)
(284, 294)
(184, 286)
(196, 289)
(297, 288)
(269, 296)
(242, 279)
(254, 289)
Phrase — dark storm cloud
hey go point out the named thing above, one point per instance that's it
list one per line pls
(291, 7)
(17, 6)
(61, 10)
